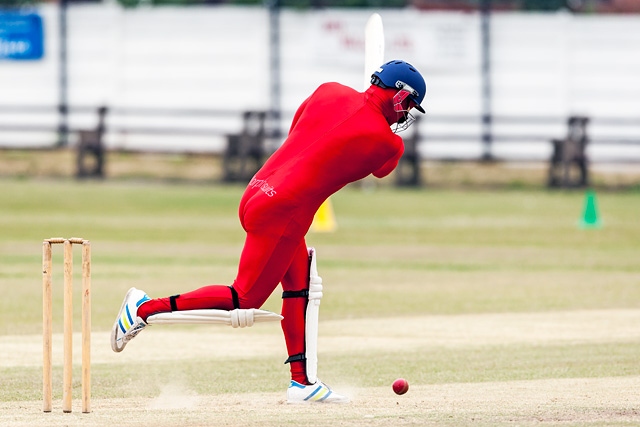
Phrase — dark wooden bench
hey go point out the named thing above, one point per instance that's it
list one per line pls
(568, 166)
(245, 152)
(90, 156)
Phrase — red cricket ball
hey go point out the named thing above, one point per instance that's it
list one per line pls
(400, 386)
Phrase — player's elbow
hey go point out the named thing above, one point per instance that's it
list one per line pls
(384, 170)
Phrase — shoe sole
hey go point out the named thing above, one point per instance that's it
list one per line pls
(316, 402)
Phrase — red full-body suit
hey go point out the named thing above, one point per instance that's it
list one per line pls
(337, 136)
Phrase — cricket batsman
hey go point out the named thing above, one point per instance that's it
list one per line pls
(338, 135)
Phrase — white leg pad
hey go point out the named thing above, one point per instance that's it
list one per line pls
(238, 318)
(311, 320)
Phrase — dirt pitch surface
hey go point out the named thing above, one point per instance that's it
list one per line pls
(566, 402)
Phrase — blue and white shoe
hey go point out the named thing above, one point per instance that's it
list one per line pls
(128, 324)
(315, 393)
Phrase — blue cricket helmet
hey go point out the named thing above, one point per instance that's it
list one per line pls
(398, 74)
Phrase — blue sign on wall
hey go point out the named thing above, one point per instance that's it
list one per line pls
(21, 36)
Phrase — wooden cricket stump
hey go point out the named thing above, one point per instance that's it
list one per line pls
(47, 329)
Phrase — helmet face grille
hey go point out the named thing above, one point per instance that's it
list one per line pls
(405, 118)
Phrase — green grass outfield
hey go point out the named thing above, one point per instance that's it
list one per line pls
(399, 257)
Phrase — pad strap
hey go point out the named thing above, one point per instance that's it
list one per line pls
(172, 301)
(296, 294)
(296, 358)
(234, 296)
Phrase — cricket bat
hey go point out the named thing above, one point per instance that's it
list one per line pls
(373, 47)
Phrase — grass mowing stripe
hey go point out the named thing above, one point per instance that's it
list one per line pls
(482, 364)
(374, 369)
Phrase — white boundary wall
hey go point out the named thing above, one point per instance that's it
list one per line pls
(544, 65)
